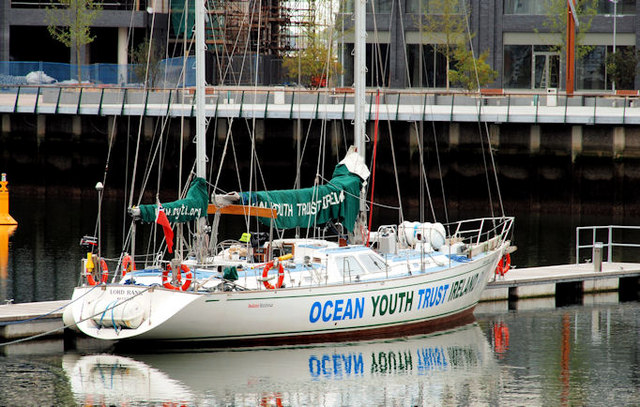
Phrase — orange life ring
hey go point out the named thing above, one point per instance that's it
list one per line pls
(166, 283)
(128, 265)
(265, 273)
(504, 265)
(105, 274)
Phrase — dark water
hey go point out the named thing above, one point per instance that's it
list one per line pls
(44, 251)
(537, 355)
(574, 356)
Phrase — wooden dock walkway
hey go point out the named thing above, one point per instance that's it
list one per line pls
(535, 282)
(35, 318)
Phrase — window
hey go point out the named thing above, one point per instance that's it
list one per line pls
(517, 66)
(377, 64)
(427, 68)
(622, 7)
(590, 70)
(527, 7)
(348, 267)
(372, 264)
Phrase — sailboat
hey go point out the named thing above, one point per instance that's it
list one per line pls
(415, 277)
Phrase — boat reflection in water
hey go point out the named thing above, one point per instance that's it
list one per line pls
(434, 369)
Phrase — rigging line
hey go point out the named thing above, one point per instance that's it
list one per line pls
(373, 167)
(112, 136)
(23, 321)
(395, 171)
(435, 141)
(126, 177)
(304, 148)
(246, 47)
(252, 131)
(440, 175)
(230, 54)
(493, 164)
(224, 152)
(424, 175)
(145, 89)
(404, 42)
(328, 181)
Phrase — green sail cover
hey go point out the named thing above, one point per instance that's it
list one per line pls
(193, 206)
(338, 200)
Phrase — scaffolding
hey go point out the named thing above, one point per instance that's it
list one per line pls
(248, 38)
(267, 27)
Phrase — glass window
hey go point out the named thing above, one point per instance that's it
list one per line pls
(377, 65)
(540, 7)
(348, 266)
(432, 6)
(531, 7)
(380, 6)
(627, 7)
(427, 68)
(372, 263)
(590, 70)
(517, 66)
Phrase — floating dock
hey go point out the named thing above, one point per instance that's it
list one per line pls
(551, 281)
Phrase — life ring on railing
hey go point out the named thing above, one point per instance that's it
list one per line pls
(103, 278)
(265, 273)
(128, 265)
(504, 265)
(166, 283)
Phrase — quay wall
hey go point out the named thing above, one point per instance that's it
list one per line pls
(543, 165)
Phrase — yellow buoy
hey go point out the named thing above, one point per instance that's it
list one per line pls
(5, 218)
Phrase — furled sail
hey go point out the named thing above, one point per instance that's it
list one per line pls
(338, 200)
(193, 206)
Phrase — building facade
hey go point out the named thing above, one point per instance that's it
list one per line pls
(521, 46)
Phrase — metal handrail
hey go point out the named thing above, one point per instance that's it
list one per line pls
(408, 104)
(609, 244)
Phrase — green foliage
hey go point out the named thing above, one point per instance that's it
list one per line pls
(316, 61)
(470, 71)
(556, 22)
(146, 59)
(70, 23)
(622, 67)
(445, 22)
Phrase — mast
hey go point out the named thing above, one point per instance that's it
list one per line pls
(359, 71)
(201, 139)
(201, 143)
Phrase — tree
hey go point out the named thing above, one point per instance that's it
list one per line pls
(622, 67)
(70, 23)
(556, 22)
(470, 72)
(147, 57)
(446, 23)
(313, 64)
(446, 19)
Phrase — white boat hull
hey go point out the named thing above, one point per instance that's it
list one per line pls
(418, 303)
